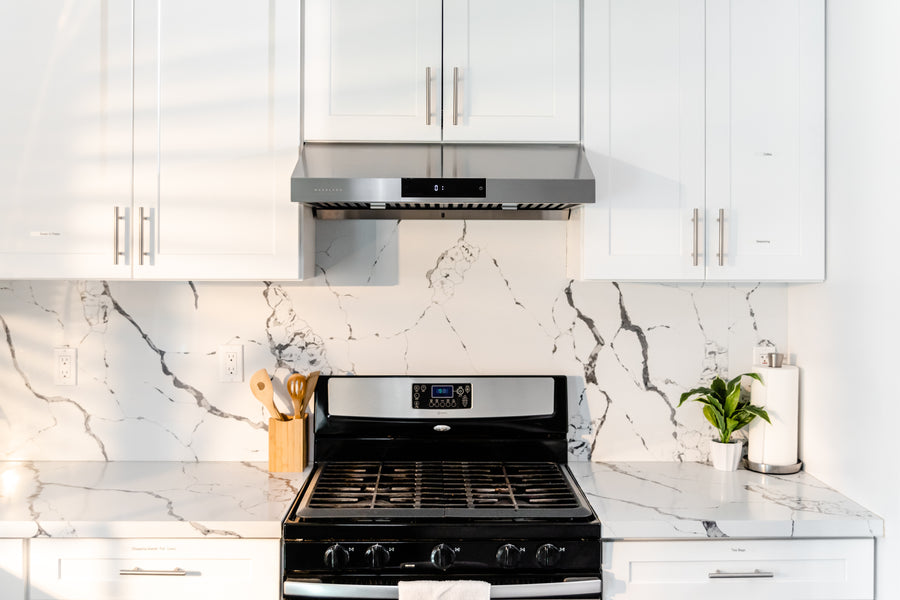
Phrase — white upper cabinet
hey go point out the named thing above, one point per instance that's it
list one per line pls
(65, 138)
(643, 135)
(696, 109)
(765, 139)
(390, 70)
(373, 70)
(217, 135)
(511, 70)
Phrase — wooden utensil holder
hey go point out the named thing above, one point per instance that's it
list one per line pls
(287, 445)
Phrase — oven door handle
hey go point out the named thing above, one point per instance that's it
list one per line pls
(587, 587)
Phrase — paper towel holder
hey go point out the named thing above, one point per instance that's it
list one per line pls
(774, 469)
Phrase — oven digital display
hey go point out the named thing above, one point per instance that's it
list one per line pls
(441, 396)
(442, 391)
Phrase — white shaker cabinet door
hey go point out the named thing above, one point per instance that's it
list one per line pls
(12, 576)
(372, 70)
(65, 138)
(765, 140)
(217, 131)
(511, 70)
(644, 138)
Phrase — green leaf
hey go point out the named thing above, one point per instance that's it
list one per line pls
(718, 387)
(756, 411)
(731, 401)
(699, 390)
(711, 416)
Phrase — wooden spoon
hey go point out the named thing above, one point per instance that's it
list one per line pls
(296, 386)
(261, 386)
(311, 381)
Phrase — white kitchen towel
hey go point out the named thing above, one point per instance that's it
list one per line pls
(444, 590)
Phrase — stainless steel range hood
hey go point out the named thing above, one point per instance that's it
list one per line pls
(442, 181)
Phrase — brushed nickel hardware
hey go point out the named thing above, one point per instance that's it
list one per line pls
(696, 253)
(141, 252)
(754, 574)
(456, 95)
(116, 252)
(428, 95)
(177, 572)
(721, 221)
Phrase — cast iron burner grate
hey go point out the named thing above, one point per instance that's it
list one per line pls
(420, 489)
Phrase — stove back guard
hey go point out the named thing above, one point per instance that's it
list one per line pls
(525, 438)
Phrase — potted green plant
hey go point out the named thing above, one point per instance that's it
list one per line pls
(728, 411)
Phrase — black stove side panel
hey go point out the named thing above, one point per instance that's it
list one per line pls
(537, 438)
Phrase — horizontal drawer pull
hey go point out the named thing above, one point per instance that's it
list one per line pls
(754, 574)
(139, 571)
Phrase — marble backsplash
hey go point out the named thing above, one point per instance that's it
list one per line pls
(430, 297)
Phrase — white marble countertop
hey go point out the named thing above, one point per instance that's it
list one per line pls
(664, 500)
(659, 500)
(144, 499)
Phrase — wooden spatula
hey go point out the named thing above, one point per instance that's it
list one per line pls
(311, 380)
(261, 386)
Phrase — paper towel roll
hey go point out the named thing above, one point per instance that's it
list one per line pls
(775, 444)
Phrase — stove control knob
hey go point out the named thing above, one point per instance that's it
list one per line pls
(548, 555)
(508, 556)
(377, 556)
(336, 557)
(442, 556)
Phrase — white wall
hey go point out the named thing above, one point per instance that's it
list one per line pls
(845, 332)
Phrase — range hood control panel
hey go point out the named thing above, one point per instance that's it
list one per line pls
(431, 187)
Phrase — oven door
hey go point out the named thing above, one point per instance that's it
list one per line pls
(561, 590)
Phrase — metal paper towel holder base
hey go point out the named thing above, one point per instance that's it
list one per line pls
(775, 469)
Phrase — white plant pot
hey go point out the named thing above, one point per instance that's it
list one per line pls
(726, 457)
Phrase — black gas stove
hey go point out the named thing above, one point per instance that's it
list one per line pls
(441, 478)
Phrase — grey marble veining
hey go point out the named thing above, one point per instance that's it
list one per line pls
(143, 499)
(389, 298)
(664, 500)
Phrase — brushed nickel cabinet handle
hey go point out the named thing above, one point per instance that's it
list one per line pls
(696, 249)
(721, 221)
(141, 252)
(428, 95)
(178, 572)
(456, 95)
(754, 574)
(117, 216)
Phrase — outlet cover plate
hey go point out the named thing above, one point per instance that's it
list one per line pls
(231, 362)
(65, 366)
(761, 355)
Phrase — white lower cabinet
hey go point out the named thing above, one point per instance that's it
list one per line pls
(824, 569)
(12, 580)
(135, 569)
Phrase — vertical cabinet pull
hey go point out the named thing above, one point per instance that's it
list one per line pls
(428, 95)
(456, 95)
(117, 217)
(695, 255)
(141, 252)
(721, 221)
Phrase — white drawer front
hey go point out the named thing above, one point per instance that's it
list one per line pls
(116, 569)
(827, 569)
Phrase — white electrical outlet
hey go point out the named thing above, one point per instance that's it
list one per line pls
(761, 355)
(65, 366)
(231, 362)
